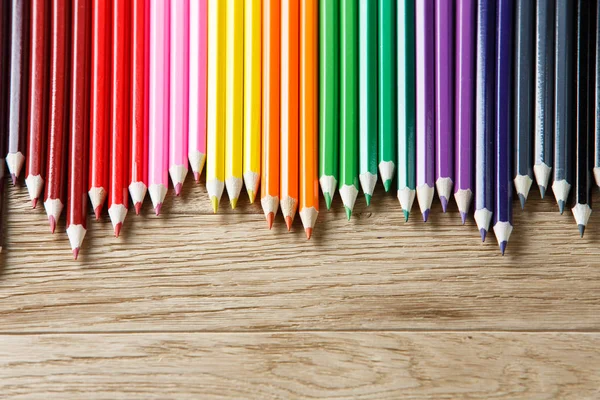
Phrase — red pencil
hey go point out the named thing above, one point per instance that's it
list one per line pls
(99, 107)
(39, 58)
(118, 199)
(78, 127)
(54, 198)
(139, 126)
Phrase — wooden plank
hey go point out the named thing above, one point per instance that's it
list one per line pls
(302, 366)
(183, 272)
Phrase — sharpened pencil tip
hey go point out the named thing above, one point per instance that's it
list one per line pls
(542, 191)
(215, 204)
(387, 185)
(327, 200)
(444, 202)
(270, 218)
(118, 227)
(34, 202)
(14, 179)
(483, 234)
(368, 199)
(52, 223)
(522, 199)
(157, 209)
(75, 253)
(348, 212)
(425, 215)
(197, 177)
(233, 203)
(251, 196)
(288, 223)
(178, 188)
(406, 215)
(561, 206)
(138, 207)
(581, 228)
(463, 217)
(503, 247)
(97, 212)
(308, 233)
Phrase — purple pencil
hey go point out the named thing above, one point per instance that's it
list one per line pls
(465, 105)
(425, 66)
(444, 99)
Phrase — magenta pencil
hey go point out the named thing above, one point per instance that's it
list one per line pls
(179, 90)
(158, 133)
(197, 100)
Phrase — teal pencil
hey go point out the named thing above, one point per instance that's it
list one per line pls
(387, 91)
(367, 94)
(329, 93)
(406, 105)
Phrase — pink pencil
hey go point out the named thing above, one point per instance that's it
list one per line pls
(178, 116)
(158, 132)
(198, 54)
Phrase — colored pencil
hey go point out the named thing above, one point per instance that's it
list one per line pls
(329, 94)
(349, 104)
(425, 79)
(585, 117)
(100, 105)
(252, 95)
(504, 146)
(39, 63)
(444, 99)
(215, 101)
(564, 98)
(18, 80)
(4, 47)
(290, 113)
(234, 112)
(544, 93)
(406, 105)
(139, 79)
(118, 198)
(198, 62)
(77, 201)
(56, 179)
(464, 117)
(597, 94)
(388, 117)
(367, 95)
(270, 109)
(179, 92)
(484, 115)
(309, 114)
(523, 86)
(158, 109)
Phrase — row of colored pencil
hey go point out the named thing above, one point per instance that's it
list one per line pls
(109, 98)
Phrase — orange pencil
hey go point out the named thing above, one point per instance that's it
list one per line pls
(290, 114)
(270, 109)
(309, 114)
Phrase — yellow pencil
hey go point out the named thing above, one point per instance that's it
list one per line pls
(252, 95)
(215, 109)
(235, 99)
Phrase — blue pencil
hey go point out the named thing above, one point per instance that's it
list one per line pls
(484, 115)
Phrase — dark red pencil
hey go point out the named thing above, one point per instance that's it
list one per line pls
(78, 127)
(118, 198)
(56, 181)
(139, 128)
(39, 58)
(99, 107)
(17, 109)
(4, 25)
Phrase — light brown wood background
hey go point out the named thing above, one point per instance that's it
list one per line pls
(192, 305)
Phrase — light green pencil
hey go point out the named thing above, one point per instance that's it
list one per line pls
(349, 104)
(329, 92)
(406, 105)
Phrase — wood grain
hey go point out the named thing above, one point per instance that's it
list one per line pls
(302, 366)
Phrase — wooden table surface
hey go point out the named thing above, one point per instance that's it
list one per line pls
(192, 305)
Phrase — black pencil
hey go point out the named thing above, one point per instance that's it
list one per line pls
(4, 51)
(524, 97)
(586, 35)
(564, 85)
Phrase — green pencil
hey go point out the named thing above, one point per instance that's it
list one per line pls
(406, 105)
(367, 89)
(387, 91)
(329, 91)
(349, 104)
